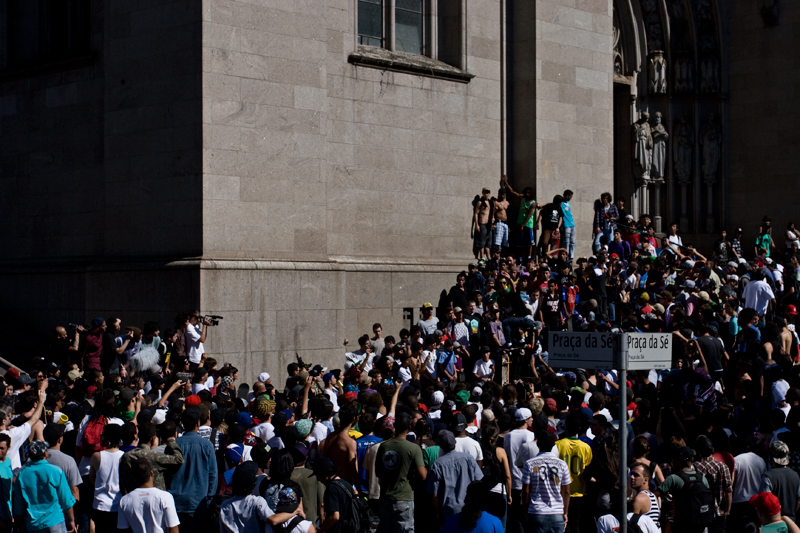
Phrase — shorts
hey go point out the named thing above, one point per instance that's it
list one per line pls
(483, 236)
(528, 236)
(501, 233)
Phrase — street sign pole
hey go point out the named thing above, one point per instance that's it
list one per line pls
(622, 349)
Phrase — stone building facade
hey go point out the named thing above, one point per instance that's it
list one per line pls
(305, 167)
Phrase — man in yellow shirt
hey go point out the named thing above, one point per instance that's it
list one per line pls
(577, 454)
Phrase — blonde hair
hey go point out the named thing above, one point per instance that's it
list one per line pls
(537, 404)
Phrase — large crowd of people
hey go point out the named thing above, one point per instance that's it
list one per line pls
(457, 424)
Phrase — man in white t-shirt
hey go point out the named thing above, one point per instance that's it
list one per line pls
(195, 335)
(463, 442)
(428, 323)
(512, 443)
(147, 509)
(609, 524)
(757, 294)
(484, 367)
(356, 357)
(545, 487)
(20, 434)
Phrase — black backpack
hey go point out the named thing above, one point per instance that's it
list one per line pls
(696, 499)
(359, 517)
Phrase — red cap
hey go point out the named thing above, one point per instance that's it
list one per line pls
(791, 310)
(350, 396)
(194, 399)
(766, 503)
(423, 408)
(13, 373)
(614, 256)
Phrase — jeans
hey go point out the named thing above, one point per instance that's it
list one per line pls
(58, 528)
(545, 523)
(569, 242)
(608, 231)
(396, 516)
(515, 322)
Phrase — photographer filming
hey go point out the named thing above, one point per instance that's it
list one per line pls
(195, 334)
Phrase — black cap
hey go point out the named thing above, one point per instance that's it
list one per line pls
(685, 453)
(244, 476)
(324, 468)
(485, 349)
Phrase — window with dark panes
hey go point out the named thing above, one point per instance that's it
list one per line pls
(370, 22)
(38, 32)
(449, 32)
(409, 24)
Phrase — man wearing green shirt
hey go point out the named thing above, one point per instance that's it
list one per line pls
(42, 497)
(527, 215)
(396, 462)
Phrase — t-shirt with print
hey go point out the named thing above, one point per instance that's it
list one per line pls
(577, 455)
(396, 458)
(550, 215)
(545, 474)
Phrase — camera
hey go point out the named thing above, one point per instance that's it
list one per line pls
(212, 320)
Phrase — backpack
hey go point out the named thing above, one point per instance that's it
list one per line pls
(359, 517)
(633, 524)
(92, 442)
(696, 498)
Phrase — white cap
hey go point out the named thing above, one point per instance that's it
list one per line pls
(263, 377)
(437, 398)
(477, 391)
(689, 263)
(522, 414)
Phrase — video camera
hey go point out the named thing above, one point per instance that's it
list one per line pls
(211, 320)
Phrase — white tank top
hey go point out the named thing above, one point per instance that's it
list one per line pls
(655, 510)
(106, 484)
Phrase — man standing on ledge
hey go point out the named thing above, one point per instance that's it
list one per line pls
(527, 215)
(482, 225)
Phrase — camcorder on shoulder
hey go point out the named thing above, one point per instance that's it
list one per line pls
(211, 320)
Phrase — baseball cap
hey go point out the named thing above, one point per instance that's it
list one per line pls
(25, 379)
(522, 414)
(459, 423)
(779, 453)
(791, 310)
(427, 305)
(614, 256)
(245, 475)
(733, 277)
(766, 503)
(74, 375)
(688, 284)
(159, 417)
(263, 377)
(327, 377)
(457, 310)
(685, 453)
(437, 398)
(462, 397)
(234, 453)
(446, 440)
(37, 449)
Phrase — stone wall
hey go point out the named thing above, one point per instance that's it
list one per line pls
(763, 143)
(563, 138)
(334, 195)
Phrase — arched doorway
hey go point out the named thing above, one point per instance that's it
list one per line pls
(669, 112)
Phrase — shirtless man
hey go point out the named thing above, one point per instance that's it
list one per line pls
(481, 225)
(526, 219)
(500, 226)
(341, 448)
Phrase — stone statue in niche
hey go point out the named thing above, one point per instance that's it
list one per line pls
(658, 73)
(683, 75)
(709, 75)
(660, 136)
(711, 141)
(643, 149)
(770, 11)
(682, 158)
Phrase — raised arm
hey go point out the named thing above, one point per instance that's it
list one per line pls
(510, 191)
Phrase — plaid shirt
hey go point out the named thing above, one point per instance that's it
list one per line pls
(721, 477)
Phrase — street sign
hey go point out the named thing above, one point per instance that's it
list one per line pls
(581, 350)
(646, 351)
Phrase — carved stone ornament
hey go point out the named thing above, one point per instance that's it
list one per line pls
(642, 150)
(682, 155)
(658, 73)
(684, 71)
(660, 136)
(711, 142)
(709, 75)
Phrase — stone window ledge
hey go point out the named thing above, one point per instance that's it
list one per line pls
(373, 57)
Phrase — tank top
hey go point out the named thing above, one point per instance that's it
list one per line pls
(106, 484)
(654, 513)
